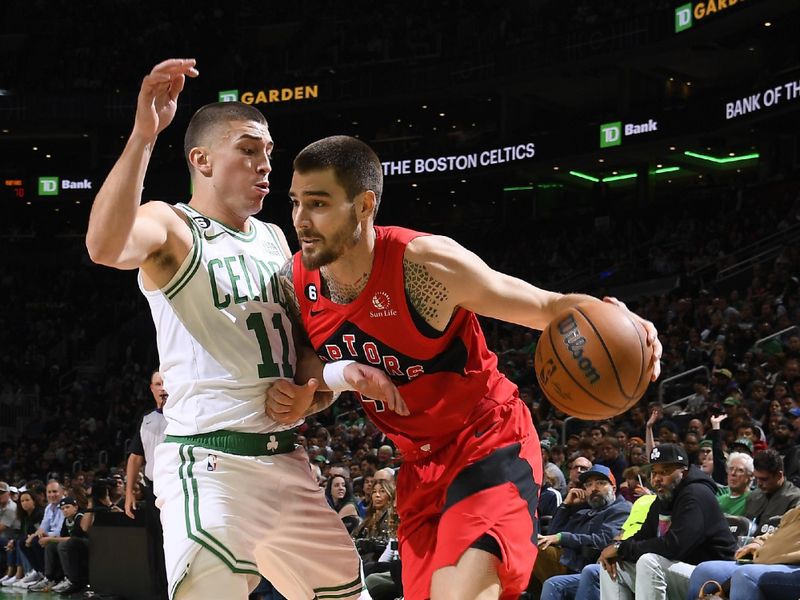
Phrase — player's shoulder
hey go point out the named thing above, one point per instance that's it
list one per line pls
(160, 209)
(426, 248)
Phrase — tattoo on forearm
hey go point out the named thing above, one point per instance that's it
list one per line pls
(427, 294)
(291, 304)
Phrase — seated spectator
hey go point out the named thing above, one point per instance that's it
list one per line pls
(637, 454)
(380, 524)
(583, 525)
(774, 552)
(740, 474)
(633, 487)
(385, 474)
(552, 472)
(742, 445)
(577, 465)
(29, 514)
(340, 497)
(365, 492)
(563, 587)
(549, 500)
(383, 578)
(775, 494)
(8, 521)
(612, 457)
(684, 527)
(69, 552)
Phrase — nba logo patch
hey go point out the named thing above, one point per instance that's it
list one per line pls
(211, 465)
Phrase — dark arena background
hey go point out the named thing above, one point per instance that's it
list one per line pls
(646, 150)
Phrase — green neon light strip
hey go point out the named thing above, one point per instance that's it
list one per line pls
(722, 161)
(619, 177)
(622, 176)
(518, 188)
(584, 176)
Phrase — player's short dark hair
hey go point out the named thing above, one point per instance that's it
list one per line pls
(213, 114)
(769, 461)
(355, 165)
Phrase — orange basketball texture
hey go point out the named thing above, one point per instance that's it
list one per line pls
(593, 361)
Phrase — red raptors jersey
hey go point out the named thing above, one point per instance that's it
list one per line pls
(447, 379)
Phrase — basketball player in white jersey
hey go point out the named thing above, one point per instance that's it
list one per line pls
(237, 498)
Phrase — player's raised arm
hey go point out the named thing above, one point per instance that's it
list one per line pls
(458, 277)
(122, 234)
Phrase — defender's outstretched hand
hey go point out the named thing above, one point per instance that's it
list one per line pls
(652, 336)
(158, 95)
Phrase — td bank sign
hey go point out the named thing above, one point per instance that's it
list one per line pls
(50, 186)
(687, 14)
(611, 133)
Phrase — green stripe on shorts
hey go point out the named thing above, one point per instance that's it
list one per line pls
(201, 536)
(340, 591)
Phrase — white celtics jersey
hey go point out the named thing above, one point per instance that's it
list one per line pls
(221, 329)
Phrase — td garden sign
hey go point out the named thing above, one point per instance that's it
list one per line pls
(284, 94)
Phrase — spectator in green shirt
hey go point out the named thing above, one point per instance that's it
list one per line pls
(740, 475)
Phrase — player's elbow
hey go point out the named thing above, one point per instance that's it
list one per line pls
(100, 252)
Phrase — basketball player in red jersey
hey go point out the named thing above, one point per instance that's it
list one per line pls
(407, 301)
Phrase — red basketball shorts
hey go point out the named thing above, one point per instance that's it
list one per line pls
(486, 481)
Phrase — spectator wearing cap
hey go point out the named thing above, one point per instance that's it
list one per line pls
(584, 524)
(742, 444)
(69, 553)
(733, 498)
(720, 382)
(684, 527)
(775, 494)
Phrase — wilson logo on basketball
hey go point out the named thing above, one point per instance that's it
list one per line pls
(575, 343)
(381, 301)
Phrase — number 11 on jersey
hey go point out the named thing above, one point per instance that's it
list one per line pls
(268, 367)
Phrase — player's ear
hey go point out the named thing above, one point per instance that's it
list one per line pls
(366, 208)
(198, 157)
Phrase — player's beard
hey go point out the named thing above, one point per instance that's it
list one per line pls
(330, 250)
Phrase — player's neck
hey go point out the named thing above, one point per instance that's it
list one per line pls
(349, 274)
(214, 209)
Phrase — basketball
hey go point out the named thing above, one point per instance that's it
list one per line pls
(593, 361)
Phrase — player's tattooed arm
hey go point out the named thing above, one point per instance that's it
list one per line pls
(428, 295)
(308, 363)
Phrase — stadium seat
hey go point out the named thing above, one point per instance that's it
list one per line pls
(739, 525)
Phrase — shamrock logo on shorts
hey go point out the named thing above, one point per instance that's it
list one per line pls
(272, 444)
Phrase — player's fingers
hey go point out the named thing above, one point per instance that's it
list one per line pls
(312, 385)
(176, 65)
(152, 81)
(285, 387)
(399, 405)
(176, 86)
